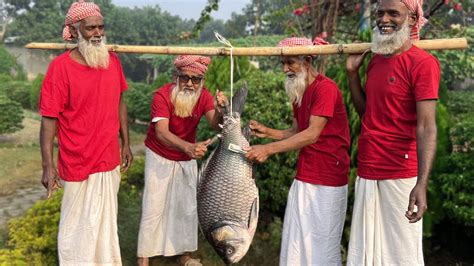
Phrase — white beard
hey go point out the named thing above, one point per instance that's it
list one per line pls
(387, 44)
(96, 56)
(184, 100)
(296, 86)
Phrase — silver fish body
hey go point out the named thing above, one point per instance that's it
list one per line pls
(227, 196)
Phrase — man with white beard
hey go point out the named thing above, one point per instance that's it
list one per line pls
(169, 223)
(317, 201)
(81, 102)
(398, 139)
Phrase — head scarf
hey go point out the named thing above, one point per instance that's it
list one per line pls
(194, 63)
(416, 7)
(297, 41)
(78, 11)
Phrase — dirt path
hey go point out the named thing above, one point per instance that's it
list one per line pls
(16, 204)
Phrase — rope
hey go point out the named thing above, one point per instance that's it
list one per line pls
(224, 41)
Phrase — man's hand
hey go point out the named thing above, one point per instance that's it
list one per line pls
(221, 101)
(418, 198)
(258, 153)
(50, 180)
(127, 158)
(258, 129)
(354, 61)
(197, 150)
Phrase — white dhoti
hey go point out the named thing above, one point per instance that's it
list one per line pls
(314, 220)
(380, 232)
(169, 223)
(88, 226)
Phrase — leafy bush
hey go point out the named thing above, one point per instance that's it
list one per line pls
(33, 237)
(11, 115)
(18, 91)
(9, 66)
(218, 74)
(35, 91)
(139, 96)
(457, 65)
(457, 182)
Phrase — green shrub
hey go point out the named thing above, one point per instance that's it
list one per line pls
(9, 66)
(138, 98)
(11, 115)
(18, 91)
(35, 91)
(32, 238)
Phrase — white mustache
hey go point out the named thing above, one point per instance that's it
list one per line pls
(291, 74)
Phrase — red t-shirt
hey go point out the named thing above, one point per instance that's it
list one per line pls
(325, 162)
(184, 128)
(86, 103)
(387, 144)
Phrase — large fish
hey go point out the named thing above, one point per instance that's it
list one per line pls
(227, 197)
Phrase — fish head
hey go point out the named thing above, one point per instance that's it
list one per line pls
(231, 123)
(231, 241)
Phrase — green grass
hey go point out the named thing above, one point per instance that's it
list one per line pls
(20, 155)
(20, 160)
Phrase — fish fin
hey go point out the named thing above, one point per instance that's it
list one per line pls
(247, 132)
(238, 100)
(205, 163)
(253, 218)
(254, 171)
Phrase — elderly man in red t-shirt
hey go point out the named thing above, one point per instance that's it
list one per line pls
(316, 208)
(398, 139)
(169, 223)
(81, 102)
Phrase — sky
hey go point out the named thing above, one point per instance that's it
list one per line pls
(189, 9)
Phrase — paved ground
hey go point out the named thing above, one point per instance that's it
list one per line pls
(16, 204)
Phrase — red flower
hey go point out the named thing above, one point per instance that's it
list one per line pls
(298, 11)
(457, 7)
(446, 2)
(357, 7)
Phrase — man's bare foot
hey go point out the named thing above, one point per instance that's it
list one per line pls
(143, 262)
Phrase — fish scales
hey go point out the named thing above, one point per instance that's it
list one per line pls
(229, 190)
(227, 196)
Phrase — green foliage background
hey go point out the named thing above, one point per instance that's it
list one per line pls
(31, 239)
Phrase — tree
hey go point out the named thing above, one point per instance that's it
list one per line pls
(37, 21)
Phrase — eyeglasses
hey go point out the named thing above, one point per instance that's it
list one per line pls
(186, 78)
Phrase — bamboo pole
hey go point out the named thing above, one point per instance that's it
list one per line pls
(351, 48)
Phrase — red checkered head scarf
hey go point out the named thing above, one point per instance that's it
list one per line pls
(416, 7)
(193, 63)
(78, 11)
(298, 41)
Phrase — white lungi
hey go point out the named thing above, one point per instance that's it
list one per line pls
(169, 223)
(380, 232)
(314, 220)
(88, 226)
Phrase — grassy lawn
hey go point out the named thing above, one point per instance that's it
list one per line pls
(20, 158)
